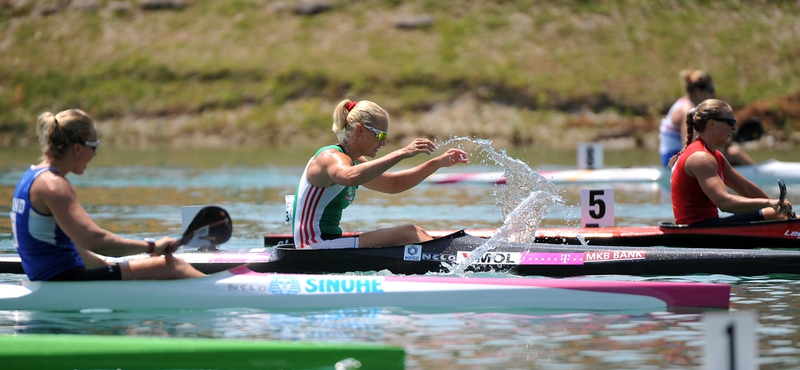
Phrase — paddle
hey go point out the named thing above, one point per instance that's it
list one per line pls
(211, 226)
(782, 186)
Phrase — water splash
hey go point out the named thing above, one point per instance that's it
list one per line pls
(526, 200)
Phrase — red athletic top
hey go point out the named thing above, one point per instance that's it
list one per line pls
(689, 203)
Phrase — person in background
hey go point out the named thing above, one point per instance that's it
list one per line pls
(54, 236)
(750, 130)
(698, 86)
(701, 175)
(329, 182)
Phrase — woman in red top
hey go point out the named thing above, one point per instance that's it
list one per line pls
(701, 174)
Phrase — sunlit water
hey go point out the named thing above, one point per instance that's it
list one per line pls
(139, 202)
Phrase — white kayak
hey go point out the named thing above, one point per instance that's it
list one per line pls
(761, 173)
(207, 262)
(241, 287)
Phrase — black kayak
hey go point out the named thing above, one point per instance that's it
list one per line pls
(555, 260)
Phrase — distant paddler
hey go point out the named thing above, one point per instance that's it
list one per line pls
(329, 182)
(55, 237)
(701, 175)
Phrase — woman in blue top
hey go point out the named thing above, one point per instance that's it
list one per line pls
(54, 236)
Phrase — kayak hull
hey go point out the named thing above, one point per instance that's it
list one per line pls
(242, 287)
(751, 235)
(554, 260)
(49, 351)
(763, 172)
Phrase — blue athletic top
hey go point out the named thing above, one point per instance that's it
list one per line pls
(44, 249)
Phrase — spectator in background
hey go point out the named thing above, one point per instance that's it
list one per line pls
(699, 86)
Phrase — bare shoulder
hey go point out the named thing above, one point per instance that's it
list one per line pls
(700, 164)
(50, 185)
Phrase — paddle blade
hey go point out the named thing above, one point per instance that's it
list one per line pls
(211, 226)
(782, 187)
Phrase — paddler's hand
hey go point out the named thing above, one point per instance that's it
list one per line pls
(419, 146)
(453, 156)
(166, 246)
(785, 208)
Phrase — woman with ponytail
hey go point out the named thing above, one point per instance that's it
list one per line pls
(329, 182)
(54, 236)
(698, 86)
(701, 175)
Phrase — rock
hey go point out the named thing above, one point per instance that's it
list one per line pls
(311, 7)
(163, 4)
(414, 21)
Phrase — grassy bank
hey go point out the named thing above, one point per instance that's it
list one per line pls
(254, 72)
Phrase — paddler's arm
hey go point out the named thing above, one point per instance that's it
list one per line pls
(332, 166)
(740, 184)
(90, 259)
(703, 167)
(55, 194)
(396, 182)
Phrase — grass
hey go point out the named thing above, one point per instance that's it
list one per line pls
(247, 70)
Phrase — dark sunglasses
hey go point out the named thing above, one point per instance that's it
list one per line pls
(730, 121)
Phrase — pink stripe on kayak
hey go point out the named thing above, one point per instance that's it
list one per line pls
(240, 258)
(551, 258)
(673, 294)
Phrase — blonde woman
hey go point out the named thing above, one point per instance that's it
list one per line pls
(331, 177)
(701, 175)
(698, 86)
(54, 236)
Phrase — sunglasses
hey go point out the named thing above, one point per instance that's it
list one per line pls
(93, 144)
(730, 121)
(379, 134)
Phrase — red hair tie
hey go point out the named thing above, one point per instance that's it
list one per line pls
(351, 105)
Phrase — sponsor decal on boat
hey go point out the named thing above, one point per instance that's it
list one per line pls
(492, 258)
(344, 285)
(525, 258)
(552, 258)
(438, 257)
(289, 285)
(795, 234)
(412, 252)
(603, 256)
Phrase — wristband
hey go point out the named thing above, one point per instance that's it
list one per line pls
(152, 245)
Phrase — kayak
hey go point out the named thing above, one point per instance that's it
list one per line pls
(204, 262)
(554, 260)
(633, 174)
(746, 235)
(243, 287)
(52, 351)
(763, 172)
(755, 235)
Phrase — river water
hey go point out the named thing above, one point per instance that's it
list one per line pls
(139, 201)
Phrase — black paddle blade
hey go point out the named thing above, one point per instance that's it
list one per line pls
(782, 186)
(211, 226)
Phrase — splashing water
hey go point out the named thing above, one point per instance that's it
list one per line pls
(526, 200)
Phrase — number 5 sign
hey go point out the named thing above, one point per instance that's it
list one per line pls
(597, 207)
